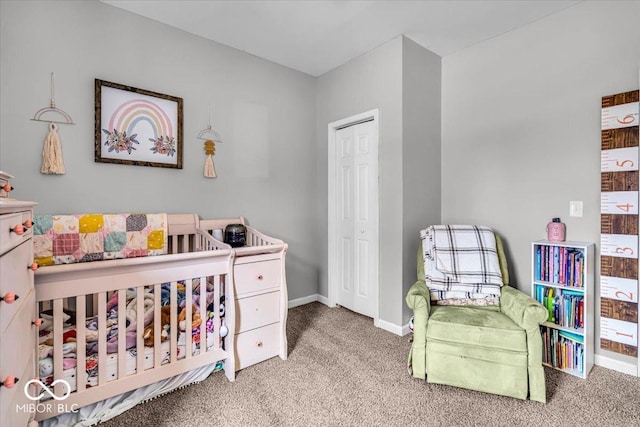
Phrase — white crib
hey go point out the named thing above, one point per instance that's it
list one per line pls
(109, 294)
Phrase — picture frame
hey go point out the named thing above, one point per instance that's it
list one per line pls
(137, 126)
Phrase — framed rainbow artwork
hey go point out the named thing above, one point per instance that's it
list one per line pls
(137, 127)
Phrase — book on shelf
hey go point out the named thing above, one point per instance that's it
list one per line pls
(565, 307)
(563, 349)
(560, 265)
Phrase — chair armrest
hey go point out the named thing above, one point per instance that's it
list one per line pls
(526, 312)
(418, 297)
(419, 300)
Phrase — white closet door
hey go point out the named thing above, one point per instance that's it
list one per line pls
(357, 202)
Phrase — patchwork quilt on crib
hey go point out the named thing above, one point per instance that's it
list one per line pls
(68, 239)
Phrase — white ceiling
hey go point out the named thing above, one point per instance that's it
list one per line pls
(317, 36)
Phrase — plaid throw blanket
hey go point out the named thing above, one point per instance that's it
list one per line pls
(461, 261)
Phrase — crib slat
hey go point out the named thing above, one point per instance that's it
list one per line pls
(203, 315)
(185, 244)
(174, 244)
(102, 338)
(157, 325)
(58, 369)
(139, 329)
(188, 337)
(174, 321)
(216, 311)
(81, 342)
(122, 333)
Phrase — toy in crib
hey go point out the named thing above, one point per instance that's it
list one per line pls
(196, 320)
(165, 320)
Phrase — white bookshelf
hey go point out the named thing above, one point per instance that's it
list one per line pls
(562, 279)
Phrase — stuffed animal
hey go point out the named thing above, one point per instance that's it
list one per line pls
(46, 367)
(165, 320)
(195, 318)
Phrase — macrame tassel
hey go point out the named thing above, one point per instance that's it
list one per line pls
(209, 169)
(52, 163)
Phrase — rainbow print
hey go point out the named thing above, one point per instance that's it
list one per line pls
(129, 114)
(137, 126)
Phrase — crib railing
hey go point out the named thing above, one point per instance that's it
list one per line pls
(137, 289)
(256, 242)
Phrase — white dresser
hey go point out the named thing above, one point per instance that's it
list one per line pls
(18, 330)
(261, 306)
(260, 288)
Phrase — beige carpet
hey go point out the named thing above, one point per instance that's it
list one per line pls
(342, 371)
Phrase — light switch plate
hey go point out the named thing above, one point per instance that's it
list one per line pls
(575, 208)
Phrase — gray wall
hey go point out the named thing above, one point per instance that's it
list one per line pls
(373, 80)
(402, 80)
(421, 154)
(521, 125)
(81, 41)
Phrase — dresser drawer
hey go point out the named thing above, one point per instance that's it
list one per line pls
(18, 343)
(9, 239)
(257, 276)
(257, 311)
(15, 277)
(14, 404)
(257, 345)
(18, 338)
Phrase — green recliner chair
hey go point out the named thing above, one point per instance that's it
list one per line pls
(489, 349)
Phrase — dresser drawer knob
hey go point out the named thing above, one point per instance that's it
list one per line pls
(259, 344)
(260, 277)
(33, 266)
(18, 229)
(37, 322)
(10, 381)
(28, 223)
(9, 298)
(7, 188)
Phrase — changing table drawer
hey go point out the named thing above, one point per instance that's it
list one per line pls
(257, 345)
(257, 276)
(8, 238)
(257, 311)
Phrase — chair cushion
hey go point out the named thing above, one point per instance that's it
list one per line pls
(475, 327)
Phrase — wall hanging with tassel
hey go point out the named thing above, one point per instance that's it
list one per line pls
(52, 162)
(210, 137)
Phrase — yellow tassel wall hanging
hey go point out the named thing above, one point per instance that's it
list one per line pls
(210, 138)
(210, 150)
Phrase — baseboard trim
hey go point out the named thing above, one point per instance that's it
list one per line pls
(308, 299)
(616, 365)
(382, 324)
(392, 327)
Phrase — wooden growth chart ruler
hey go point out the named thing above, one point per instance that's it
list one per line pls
(619, 224)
